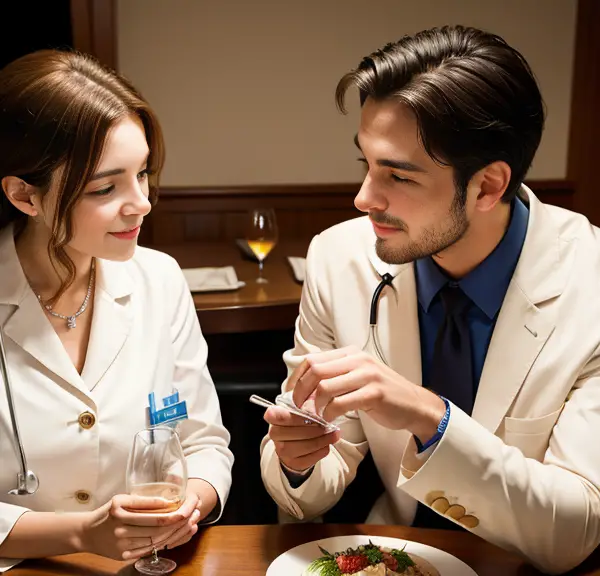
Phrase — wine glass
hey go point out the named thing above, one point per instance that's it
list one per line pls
(261, 236)
(157, 474)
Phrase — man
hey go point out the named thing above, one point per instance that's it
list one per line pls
(479, 392)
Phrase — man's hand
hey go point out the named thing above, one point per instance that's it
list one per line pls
(348, 379)
(299, 446)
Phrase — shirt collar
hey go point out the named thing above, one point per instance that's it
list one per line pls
(486, 285)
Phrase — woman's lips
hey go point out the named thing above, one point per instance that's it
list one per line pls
(128, 235)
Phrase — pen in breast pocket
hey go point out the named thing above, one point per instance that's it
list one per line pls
(309, 417)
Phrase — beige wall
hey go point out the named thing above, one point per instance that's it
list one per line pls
(244, 88)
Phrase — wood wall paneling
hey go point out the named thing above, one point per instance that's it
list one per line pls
(94, 29)
(220, 214)
(584, 144)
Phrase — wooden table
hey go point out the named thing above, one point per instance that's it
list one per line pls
(271, 306)
(248, 551)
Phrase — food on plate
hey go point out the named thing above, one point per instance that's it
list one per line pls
(370, 560)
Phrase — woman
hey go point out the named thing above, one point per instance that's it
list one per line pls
(92, 324)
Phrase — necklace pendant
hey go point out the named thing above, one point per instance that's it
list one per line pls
(71, 322)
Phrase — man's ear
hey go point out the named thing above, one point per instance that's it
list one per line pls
(21, 195)
(493, 180)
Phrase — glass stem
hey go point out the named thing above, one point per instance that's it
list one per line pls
(260, 268)
(154, 556)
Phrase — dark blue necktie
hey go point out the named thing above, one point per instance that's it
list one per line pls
(451, 374)
(452, 368)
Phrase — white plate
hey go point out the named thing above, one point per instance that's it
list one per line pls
(295, 561)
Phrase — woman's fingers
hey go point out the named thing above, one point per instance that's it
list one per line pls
(144, 532)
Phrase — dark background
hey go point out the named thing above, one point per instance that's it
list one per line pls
(29, 26)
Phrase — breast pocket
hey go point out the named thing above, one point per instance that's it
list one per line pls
(530, 435)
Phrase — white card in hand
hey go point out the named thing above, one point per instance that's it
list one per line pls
(285, 401)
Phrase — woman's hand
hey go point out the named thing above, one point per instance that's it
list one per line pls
(115, 532)
(185, 532)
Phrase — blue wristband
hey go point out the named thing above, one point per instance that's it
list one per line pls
(440, 430)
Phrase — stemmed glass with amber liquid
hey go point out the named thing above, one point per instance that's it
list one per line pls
(157, 475)
(261, 236)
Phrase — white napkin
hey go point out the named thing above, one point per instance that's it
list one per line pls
(298, 266)
(212, 279)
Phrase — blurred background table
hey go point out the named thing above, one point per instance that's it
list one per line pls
(254, 307)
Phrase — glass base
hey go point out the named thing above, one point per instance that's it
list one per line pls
(262, 280)
(149, 566)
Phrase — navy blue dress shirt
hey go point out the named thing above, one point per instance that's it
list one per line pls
(486, 286)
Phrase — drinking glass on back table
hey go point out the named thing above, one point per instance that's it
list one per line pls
(261, 236)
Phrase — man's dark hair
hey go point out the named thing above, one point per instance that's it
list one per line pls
(475, 98)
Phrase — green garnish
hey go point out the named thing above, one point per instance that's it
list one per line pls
(403, 559)
(326, 565)
(373, 553)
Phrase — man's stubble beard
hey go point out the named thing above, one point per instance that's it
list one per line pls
(431, 241)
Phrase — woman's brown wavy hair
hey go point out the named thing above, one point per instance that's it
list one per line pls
(56, 109)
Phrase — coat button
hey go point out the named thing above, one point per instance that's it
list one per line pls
(469, 521)
(433, 496)
(87, 420)
(440, 505)
(456, 511)
(82, 496)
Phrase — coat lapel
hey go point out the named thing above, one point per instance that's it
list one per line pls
(112, 321)
(521, 331)
(27, 326)
(527, 317)
(24, 321)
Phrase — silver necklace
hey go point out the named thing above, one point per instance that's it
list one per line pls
(72, 320)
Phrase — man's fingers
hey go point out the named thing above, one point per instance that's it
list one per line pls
(291, 433)
(278, 416)
(323, 366)
(318, 358)
(338, 386)
(291, 450)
